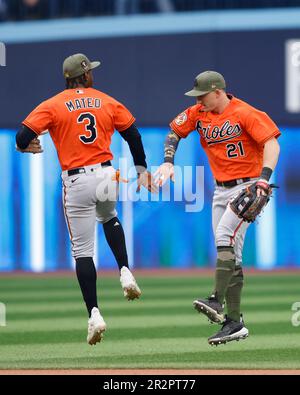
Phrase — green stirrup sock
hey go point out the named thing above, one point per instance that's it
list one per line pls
(233, 294)
(224, 271)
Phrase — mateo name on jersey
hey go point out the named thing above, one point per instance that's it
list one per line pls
(83, 102)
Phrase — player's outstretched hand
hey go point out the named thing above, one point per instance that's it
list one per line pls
(146, 180)
(164, 172)
(34, 147)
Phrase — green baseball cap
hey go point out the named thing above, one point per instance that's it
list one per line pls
(206, 82)
(77, 64)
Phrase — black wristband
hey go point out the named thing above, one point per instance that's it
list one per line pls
(266, 173)
(168, 159)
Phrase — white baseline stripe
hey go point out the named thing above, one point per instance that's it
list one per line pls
(37, 214)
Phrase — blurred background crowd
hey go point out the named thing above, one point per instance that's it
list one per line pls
(11, 10)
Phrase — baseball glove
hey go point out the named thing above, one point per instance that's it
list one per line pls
(248, 205)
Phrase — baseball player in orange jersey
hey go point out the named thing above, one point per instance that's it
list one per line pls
(241, 144)
(81, 121)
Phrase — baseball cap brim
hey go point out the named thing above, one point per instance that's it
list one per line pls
(196, 93)
(95, 64)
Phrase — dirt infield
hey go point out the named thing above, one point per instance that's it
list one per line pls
(161, 372)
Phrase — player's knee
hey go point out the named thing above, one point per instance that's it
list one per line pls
(106, 216)
(223, 236)
(81, 250)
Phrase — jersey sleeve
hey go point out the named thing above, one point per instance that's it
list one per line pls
(40, 119)
(184, 123)
(123, 118)
(260, 126)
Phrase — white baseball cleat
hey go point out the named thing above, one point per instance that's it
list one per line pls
(129, 285)
(96, 327)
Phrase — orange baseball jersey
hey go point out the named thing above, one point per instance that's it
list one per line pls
(81, 122)
(233, 140)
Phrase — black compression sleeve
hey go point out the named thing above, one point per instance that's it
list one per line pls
(24, 136)
(134, 140)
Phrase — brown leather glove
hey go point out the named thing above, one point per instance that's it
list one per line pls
(249, 203)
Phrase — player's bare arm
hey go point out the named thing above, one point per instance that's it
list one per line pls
(134, 140)
(166, 170)
(27, 141)
(270, 158)
(271, 153)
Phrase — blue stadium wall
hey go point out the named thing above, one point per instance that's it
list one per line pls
(33, 234)
(149, 71)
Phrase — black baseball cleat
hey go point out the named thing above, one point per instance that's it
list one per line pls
(211, 308)
(231, 330)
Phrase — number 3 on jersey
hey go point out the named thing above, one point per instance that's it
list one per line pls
(235, 150)
(90, 127)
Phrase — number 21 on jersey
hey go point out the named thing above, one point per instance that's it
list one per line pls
(235, 150)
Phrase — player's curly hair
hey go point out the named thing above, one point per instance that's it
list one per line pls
(72, 83)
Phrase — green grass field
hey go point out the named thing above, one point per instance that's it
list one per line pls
(47, 325)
